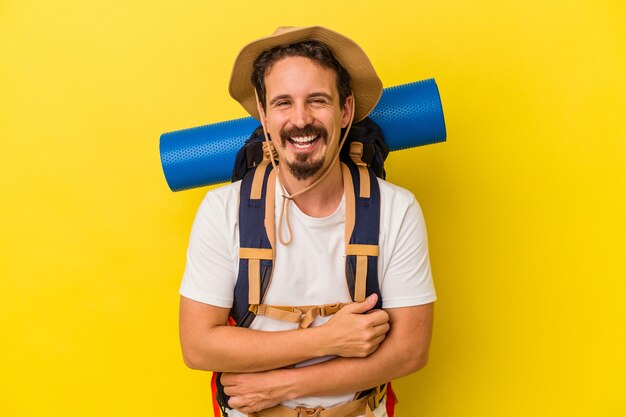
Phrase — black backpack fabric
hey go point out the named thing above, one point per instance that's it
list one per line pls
(375, 149)
(252, 231)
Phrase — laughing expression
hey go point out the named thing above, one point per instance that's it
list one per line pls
(304, 140)
(303, 110)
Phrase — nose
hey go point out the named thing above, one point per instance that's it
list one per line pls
(302, 115)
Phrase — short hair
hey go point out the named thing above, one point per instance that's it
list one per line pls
(315, 51)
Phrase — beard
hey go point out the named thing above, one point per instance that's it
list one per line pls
(304, 166)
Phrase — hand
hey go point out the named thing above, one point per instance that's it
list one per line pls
(252, 392)
(350, 333)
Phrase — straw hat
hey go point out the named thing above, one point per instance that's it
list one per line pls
(366, 86)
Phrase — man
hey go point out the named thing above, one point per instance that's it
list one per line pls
(306, 85)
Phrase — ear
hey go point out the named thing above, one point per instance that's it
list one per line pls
(346, 111)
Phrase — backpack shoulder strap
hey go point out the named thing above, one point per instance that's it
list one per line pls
(362, 195)
(256, 255)
(256, 240)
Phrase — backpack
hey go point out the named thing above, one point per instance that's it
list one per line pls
(375, 149)
(362, 156)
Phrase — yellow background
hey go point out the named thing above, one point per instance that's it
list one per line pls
(525, 202)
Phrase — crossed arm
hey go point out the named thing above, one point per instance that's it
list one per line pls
(372, 349)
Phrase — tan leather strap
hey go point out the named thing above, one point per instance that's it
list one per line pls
(269, 151)
(348, 192)
(361, 271)
(367, 250)
(363, 406)
(270, 203)
(364, 187)
(254, 281)
(256, 253)
(376, 396)
(257, 181)
(361, 252)
(360, 278)
(304, 315)
(356, 154)
(351, 409)
(254, 256)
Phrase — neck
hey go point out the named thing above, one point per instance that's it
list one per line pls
(320, 201)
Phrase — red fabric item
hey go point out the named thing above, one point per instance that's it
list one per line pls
(217, 412)
(391, 401)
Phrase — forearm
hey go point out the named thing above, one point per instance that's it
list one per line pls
(404, 351)
(237, 349)
(209, 344)
(346, 375)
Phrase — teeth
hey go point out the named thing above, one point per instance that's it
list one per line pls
(303, 139)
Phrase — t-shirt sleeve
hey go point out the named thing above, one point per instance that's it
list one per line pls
(212, 262)
(407, 279)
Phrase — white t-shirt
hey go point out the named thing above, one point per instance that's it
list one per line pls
(311, 270)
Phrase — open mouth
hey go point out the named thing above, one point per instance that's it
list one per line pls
(303, 142)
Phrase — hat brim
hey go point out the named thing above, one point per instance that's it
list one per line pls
(366, 86)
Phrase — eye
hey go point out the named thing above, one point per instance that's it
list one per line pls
(281, 103)
(318, 100)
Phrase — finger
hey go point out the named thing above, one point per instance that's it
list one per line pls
(226, 379)
(243, 406)
(378, 317)
(235, 402)
(374, 347)
(380, 339)
(377, 341)
(377, 310)
(364, 306)
(380, 330)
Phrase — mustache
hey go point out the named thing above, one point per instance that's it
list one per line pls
(308, 130)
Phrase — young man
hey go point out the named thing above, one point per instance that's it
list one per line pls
(306, 86)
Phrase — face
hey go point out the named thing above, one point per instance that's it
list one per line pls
(303, 115)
